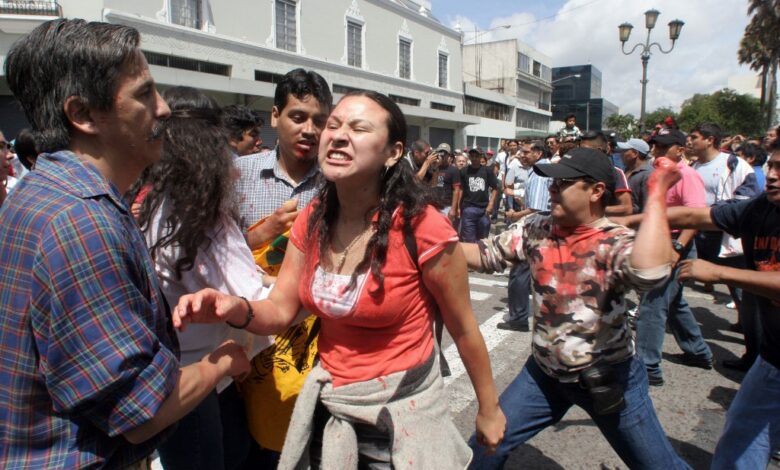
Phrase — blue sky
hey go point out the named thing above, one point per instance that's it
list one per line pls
(575, 32)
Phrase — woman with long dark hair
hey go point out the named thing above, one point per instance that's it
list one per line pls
(377, 397)
(189, 218)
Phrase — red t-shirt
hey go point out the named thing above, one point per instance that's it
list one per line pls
(385, 333)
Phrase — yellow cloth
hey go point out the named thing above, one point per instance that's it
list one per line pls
(274, 382)
(279, 371)
(270, 254)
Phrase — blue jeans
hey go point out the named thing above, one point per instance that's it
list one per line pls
(474, 224)
(665, 304)
(212, 436)
(518, 290)
(752, 427)
(535, 400)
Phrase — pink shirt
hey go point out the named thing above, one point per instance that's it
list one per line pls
(689, 191)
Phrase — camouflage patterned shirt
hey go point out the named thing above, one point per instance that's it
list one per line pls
(580, 278)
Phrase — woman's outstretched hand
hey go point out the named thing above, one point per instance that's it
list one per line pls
(208, 306)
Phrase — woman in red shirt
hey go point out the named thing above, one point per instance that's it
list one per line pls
(349, 264)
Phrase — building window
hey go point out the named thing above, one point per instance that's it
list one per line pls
(343, 89)
(285, 25)
(531, 120)
(546, 73)
(404, 58)
(185, 63)
(443, 65)
(404, 100)
(523, 62)
(354, 44)
(537, 69)
(268, 77)
(487, 109)
(442, 107)
(187, 13)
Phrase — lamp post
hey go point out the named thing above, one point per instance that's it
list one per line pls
(651, 16)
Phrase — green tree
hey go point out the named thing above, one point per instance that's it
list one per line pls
(760, 48)
(658, 116)
(625, 125)
(735, 113)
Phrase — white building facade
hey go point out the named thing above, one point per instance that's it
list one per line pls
(238, 50)
(508, 85)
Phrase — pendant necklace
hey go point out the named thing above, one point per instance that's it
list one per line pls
(343, 257)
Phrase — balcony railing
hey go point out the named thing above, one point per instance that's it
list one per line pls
(30, 7)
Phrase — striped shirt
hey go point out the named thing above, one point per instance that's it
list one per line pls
(264, 186)
(88, 348)
(537, 190)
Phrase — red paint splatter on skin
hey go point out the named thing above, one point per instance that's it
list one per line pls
(412, 404)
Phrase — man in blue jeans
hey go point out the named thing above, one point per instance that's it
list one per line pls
(582, 265)
(666, 303)
(536, 199)
(479, 188)
(752, 427)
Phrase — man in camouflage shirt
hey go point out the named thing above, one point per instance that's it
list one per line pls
(581, 266)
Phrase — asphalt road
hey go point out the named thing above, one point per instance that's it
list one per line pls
(691, 405)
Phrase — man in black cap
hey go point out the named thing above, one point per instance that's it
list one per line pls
(581, 266)
(621, 200)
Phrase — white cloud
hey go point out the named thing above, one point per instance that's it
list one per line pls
(586, 31)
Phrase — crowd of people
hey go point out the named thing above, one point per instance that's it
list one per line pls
(171, 284)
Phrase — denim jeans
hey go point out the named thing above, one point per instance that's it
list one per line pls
(665, 304)
(474, 224)
(535, 400)
(518, 290)
(212, 436)
(752, 427)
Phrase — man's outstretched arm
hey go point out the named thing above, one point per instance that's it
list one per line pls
(761, 283)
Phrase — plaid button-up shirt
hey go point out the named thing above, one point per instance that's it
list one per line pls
(88, 349)
(263, 187)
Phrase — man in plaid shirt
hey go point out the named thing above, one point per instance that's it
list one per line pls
(89, 371)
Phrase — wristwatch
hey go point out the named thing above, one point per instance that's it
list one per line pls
(678, 247)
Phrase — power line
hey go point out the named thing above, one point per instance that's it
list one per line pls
(555, 15)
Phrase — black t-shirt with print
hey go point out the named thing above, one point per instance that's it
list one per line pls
(445, 179)
(476, 184)
(757, 222)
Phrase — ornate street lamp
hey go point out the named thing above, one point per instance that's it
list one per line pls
(624, 30)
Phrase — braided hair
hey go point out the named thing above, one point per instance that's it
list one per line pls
(398, 189)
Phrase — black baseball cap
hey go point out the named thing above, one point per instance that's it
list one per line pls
(581, 162)
(668, 137)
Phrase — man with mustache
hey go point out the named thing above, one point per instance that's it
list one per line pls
(90, 372)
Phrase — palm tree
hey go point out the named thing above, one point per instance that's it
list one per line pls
(760, 48)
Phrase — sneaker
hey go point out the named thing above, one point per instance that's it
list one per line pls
(695, 361)
(513, 326)
(655, 380)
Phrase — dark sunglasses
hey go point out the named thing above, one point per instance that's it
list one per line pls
(563, 183)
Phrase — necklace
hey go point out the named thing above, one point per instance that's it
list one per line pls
(343, 257)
